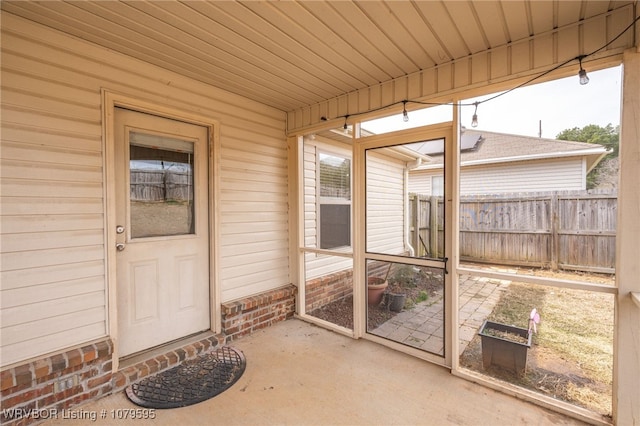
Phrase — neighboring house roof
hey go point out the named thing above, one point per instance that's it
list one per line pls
(481, 147)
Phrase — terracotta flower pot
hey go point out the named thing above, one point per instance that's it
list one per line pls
(375, 290)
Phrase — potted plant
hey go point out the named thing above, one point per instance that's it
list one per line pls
(506, 346)
(404, 276)
(396, 301)
(376, 287)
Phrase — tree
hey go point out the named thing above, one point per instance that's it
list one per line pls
(608, 136)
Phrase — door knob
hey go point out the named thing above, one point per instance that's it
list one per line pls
(120, 246)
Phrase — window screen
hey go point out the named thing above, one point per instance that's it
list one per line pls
(334, 183)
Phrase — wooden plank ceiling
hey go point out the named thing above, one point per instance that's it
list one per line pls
(291, 54)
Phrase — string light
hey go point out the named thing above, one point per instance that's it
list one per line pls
(582, 74)
(405, 115)
(474, 119)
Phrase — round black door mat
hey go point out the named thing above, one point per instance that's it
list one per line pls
(193, 381)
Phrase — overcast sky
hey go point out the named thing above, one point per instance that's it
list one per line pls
(560, 104)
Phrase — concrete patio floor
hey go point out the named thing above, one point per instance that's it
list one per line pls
(300, 374)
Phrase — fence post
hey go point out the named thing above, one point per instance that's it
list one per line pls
(554, 209)
(414, 223)
(433, 226)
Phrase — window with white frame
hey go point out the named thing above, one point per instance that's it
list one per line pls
(334, 200)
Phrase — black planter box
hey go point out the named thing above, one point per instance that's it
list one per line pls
(501, 352)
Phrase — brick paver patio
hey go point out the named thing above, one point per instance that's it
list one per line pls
(423, 325)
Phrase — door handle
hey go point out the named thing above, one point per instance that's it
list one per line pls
(120, 246)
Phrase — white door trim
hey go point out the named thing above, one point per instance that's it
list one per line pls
(111, 100)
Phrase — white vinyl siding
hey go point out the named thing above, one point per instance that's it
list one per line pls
(385, 204)
(52, 279)
(420, 180)
(253, 211)
(522, 176)
(310, 197)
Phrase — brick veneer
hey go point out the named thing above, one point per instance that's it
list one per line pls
(67, 379)
(328, 288)
(245, 316)
(56, 382)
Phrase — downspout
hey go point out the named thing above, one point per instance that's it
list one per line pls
(407, 241)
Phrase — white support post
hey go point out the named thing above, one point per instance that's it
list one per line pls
(296, 221)
(358, 203)
(452, 238)
(626, 370)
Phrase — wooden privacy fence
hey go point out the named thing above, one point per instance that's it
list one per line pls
(160, 185)
(561, 230)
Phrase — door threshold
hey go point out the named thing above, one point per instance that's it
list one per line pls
(155, 351)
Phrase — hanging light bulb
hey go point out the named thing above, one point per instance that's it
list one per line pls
(583, 77)
(582, 74)
(474, 119)
(405, 115)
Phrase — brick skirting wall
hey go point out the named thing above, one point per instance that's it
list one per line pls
(242, 317)
(50, 387)
(328, 288)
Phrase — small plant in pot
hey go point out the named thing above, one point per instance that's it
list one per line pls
(403, 277)
(506, 345)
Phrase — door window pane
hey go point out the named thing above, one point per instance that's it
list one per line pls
(161, 186)
(405, 304)
(404, 215)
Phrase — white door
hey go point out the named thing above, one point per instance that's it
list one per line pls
(162, 229)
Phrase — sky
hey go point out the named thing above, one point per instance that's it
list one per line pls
(559, 104)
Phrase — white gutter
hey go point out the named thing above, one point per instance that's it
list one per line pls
(404, 154)
(563, 154)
